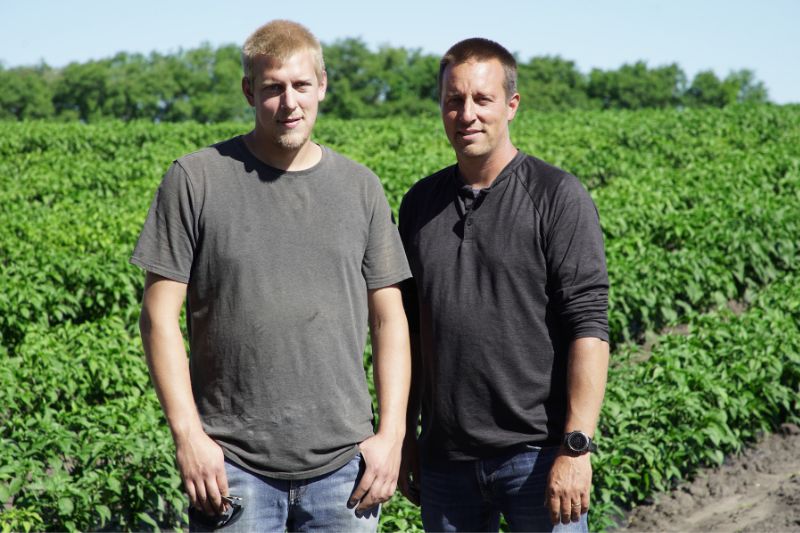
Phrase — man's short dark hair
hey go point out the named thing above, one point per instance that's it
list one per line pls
(480, 49)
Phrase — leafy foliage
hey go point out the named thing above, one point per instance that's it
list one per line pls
(697, 397)
(83, 444)
(203, 84)
(698, 207)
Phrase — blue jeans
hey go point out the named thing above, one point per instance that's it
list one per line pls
(315, 504)
(471, 495)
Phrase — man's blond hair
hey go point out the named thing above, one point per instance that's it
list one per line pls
(280, 39)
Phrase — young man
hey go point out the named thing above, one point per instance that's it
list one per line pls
(508, 313)
(284, 251)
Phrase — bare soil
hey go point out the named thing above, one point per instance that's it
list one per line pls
(758, 490)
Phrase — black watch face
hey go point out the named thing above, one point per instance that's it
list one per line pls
(577, 442)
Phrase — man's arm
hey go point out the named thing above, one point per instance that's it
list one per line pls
(408, 481)
(391, 371)
(200, 459)
(571, 475)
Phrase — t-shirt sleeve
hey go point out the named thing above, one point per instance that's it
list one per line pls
(384, 261)
(577, 274)
(168, 239)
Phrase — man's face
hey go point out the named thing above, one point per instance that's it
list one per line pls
(286, 97)
(475, 108)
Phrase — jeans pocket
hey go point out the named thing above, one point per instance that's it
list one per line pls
(362, 465)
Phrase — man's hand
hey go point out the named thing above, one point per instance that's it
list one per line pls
(408, 482)
(382, 459)
(567, 493)
(202, 467)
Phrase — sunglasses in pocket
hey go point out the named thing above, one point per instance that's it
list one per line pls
(198, 519)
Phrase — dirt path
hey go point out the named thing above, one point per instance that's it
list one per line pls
(757, 491)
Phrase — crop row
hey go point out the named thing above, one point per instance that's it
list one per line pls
(597, 147)
(83, 444)
(697, 397)
(725, 231)
(721, 220)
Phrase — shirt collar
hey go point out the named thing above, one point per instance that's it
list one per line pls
(465, 189)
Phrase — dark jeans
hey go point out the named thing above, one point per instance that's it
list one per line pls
(471, 495)
(316, 504)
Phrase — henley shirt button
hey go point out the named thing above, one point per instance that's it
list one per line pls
(469, 222)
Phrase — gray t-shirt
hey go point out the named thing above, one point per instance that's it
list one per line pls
(278, 265)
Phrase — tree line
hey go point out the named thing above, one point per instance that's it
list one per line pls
(203, 84)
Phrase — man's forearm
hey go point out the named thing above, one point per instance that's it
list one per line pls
(586, 383)
(200, 459)
(391, 363)
(570, 478)
(392, 374)
(169, 370)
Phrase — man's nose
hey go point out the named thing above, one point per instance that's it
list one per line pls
(289, 98)
(468, 111)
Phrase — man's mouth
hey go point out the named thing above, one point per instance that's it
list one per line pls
(291, 122)
(470, 133)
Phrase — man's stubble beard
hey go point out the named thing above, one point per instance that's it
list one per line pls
(473, 151)
(292, 141)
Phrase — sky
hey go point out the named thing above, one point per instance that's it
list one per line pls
(720, 35)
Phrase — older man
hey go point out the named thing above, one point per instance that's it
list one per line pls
(508, 308)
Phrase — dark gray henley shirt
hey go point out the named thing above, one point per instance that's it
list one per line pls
(502, 283)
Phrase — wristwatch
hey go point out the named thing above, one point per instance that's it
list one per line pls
(579, 442)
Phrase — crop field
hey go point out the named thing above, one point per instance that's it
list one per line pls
(701, 215)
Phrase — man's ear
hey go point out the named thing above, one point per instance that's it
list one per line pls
(323, 86)
(513, 106)
(247, 90)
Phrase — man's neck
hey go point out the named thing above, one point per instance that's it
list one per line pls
(480, 172)
(302, 158)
